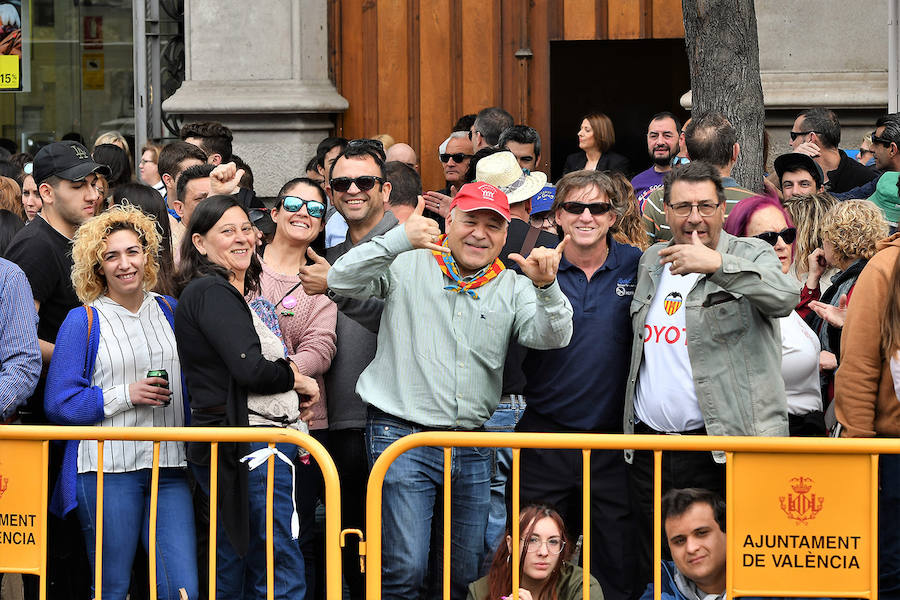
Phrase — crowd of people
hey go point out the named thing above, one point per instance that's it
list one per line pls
(359, 308)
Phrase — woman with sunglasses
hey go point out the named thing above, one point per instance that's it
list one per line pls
(764, 217)
(850, 231)
(306, 324)
(544, 573)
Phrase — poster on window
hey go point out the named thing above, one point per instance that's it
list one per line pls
(14, 46)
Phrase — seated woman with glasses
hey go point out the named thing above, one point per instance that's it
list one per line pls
(764, 217)
(544, 570)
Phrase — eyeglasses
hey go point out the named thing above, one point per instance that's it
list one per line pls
(877, 139)
(375, 146)
(596, 208)
(866, 151)
(771, 237)
(554, 545)
(706, 209)
(541, 221)
(315, 208)
(363, 182)
(796, 134)
(144, 161)
(457, 157)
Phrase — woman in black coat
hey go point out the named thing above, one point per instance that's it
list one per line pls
(595, 138)
(222, 360)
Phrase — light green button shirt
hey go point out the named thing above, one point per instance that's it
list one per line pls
(440, 354)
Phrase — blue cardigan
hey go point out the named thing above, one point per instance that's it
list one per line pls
(70, 399)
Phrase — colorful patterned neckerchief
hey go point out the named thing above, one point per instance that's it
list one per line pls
(448, 266)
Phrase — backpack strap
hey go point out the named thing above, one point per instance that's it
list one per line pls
(530, 240)
(166, 302)
(90, 319)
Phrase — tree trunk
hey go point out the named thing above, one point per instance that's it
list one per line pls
(723, 50)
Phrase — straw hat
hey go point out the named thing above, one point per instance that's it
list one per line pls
(503, 171)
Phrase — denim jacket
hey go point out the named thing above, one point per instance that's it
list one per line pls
(733, 338)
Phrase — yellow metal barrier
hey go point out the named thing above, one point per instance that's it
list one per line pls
(213, 435)
(732, 446)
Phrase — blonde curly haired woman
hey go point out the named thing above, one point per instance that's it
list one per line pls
(100, 375)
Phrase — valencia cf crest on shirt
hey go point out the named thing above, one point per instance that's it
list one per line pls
(672, 303)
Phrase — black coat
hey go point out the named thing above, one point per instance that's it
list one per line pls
(609, 161)
(222, 360)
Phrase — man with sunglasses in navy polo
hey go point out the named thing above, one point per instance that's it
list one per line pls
(581, 388)
(706, 353)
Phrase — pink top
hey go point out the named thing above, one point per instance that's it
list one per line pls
(308, 333)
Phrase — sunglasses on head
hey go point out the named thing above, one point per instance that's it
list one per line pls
(771, 237)
(457, 157)
(375, 146)
(315, 208)
(596, 208)
(364, 183)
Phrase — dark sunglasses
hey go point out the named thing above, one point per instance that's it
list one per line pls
(315, 208)
(771, 237)
(363, 182)
(796, 134)
(366, 144)
(596, 208)
(457, 157)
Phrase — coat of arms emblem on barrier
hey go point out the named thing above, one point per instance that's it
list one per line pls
(802, 505)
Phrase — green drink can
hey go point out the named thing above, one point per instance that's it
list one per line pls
(162, 374)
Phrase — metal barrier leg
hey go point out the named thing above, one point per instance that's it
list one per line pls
(514, 520)
(586, 523)
(448, 467)
(154, 499)
(657, 524)
(98, 548)
(213, 514)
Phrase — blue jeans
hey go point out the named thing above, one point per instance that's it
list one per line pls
(245, 577)
(504, 419)
(126, 519)
(412, 487)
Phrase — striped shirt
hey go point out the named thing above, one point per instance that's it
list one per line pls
(131, 344)
(440, 355)
(20, 355)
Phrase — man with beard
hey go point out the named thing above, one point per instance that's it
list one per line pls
(662, 145)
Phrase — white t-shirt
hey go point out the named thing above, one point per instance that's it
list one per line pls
(665, 398)
(800, 349)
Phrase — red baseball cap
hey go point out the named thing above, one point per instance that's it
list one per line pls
(481, 196)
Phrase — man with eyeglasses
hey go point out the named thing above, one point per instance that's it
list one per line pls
(581, 389)
(706, 353)
(357, 186)
(798, 174)
(451, 308)
(817, 133)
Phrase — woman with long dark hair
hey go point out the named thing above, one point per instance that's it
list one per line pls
(544, 570)
(234, 367)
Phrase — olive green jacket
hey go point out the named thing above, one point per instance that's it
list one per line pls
(733, 338)
(568, 587)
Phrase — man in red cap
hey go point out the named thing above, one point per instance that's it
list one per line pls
(450, 310)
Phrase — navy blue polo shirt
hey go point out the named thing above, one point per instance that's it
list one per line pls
(582, 386)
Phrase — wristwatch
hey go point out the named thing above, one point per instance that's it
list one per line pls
(330, 293)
